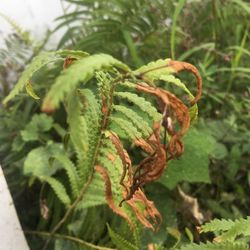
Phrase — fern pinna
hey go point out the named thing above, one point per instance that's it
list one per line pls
(112, 109)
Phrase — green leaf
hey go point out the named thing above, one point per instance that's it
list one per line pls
(58, 188)
(193, 164)
(39, 123)
(30, 90)
(220, 151)
(71, 173)
(37, 162)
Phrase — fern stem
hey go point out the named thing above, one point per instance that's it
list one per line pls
(67, 237)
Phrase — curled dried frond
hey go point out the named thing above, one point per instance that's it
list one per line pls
(150, 212)
(173, 108)
(180, 66)
(173, 66)
(109, 196)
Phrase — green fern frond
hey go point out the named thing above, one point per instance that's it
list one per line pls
(127, 127)
(137, 120)
(78, 129)
(71, 173)
(144, 105)
(37, 63)
(217, 225)
(177, 82)
(228, 230)
(80, 71)
(160, 65)
(95, 195)
(111, 161)
(58, 188)
(119, 241)
(91, 112)
(216, 246)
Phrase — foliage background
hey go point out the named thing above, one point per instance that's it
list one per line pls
(214, 36)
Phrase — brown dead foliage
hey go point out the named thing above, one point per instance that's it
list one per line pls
(151, 168)
(145, 210)
(181, 66)
(178, 66)
(173, 109)
(109, 196)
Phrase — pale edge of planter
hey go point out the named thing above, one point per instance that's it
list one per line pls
(12, 236)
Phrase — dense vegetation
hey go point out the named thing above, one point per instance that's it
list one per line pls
(97, 127)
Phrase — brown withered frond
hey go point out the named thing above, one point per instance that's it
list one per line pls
(181, 66)
(109, 196)
(173, 108)
(150, 212)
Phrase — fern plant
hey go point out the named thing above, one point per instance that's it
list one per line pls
(229, 234)
(111, 110)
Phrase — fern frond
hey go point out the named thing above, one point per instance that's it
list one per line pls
(30, 90)
(58, 188)
(127, 127)
(228, 230)
(119, 241)
(216, 246)
(71, 173)
(80, 71)
(217, 225)
(144, 105)
(171, 79)
(137, 120)
(95, 195)
(78, 128)
(157, 67)
(37, 63)
(91, 112)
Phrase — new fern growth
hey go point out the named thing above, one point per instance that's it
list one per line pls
(111, 109)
